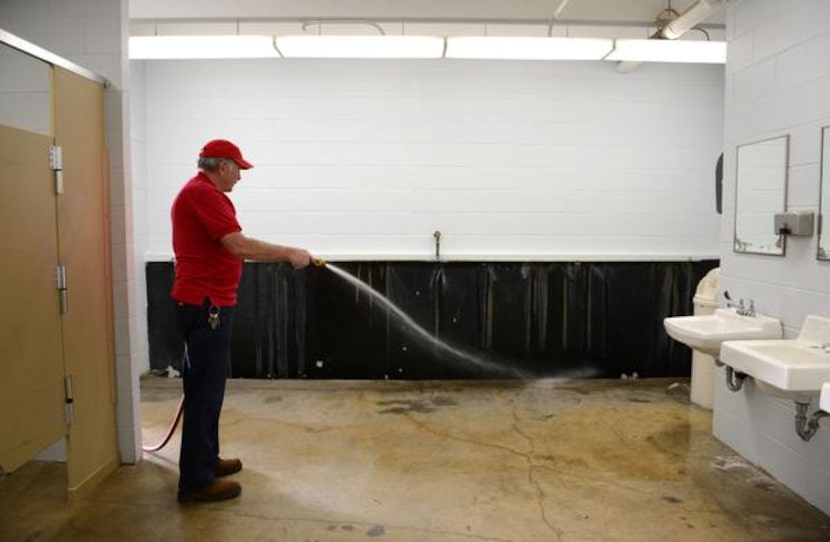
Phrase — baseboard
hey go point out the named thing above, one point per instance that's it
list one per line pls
(91, 482)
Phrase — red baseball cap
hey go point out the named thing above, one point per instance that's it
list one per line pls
(222, 148)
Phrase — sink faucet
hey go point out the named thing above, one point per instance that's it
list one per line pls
(744, 307)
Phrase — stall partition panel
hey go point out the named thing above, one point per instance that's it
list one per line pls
(84, 250)
(31, 357)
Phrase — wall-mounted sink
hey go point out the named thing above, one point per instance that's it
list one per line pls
(791, 368)
(706, 333)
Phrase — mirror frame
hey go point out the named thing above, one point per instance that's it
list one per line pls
(823, 192)
(782, 239)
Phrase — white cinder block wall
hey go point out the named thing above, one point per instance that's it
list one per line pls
(25, 97)
(508, 160)
(92, 34)
(777, 82)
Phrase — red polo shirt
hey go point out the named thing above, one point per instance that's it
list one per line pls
(202, 215)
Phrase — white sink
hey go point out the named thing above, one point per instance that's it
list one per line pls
(791, 368)
(824, 401)
(706, 333)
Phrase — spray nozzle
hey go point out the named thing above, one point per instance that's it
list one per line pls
(319, 262)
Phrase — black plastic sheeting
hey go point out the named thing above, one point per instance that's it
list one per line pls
(485, 320)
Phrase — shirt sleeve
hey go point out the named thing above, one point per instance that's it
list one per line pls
(216, 213)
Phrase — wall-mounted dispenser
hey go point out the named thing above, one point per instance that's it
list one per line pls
(795, 223)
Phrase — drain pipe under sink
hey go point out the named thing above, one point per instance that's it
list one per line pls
(806, 429)
(734, 379)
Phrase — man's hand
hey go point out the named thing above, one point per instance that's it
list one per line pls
(300, 258)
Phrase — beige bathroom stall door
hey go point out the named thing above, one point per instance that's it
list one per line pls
(31, 356)
(84, 249)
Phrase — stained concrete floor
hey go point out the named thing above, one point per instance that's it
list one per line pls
(578, 461)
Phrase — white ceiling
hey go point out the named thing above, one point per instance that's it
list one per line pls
(600, 12)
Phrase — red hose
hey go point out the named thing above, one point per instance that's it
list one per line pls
(163, 443)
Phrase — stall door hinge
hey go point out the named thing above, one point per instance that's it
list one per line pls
(60, 284)
(69, 411)
(56, 163)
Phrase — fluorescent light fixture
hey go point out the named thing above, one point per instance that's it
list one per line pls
(525, 48)
(697, 13)
(474, 47)
(360, 46)
(659, 50)
(174, 47)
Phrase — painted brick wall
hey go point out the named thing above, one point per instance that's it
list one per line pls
(509, 160)
(24, 98)
(777, 82)
(86, 32)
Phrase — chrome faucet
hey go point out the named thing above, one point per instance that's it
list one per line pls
(744, 307)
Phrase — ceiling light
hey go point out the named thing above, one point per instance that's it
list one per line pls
(471, 47)
(695, 14)
(359, 46)
(525, 48)
(173, 47)
(659, 50)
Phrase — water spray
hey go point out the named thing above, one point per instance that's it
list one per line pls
(411, 324)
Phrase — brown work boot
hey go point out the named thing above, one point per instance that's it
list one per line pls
(217, 490)
(224, 467)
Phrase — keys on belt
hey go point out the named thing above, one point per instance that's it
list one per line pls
(213, 317)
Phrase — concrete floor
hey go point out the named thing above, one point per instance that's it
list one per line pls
(589, 460)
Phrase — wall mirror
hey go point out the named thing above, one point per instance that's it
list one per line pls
(760, 192)
(824, 200)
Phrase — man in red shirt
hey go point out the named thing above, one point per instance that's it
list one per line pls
(210, 249)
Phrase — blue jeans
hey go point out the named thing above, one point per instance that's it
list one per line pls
(204, 370)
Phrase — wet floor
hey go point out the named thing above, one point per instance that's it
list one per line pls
(588, 460)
